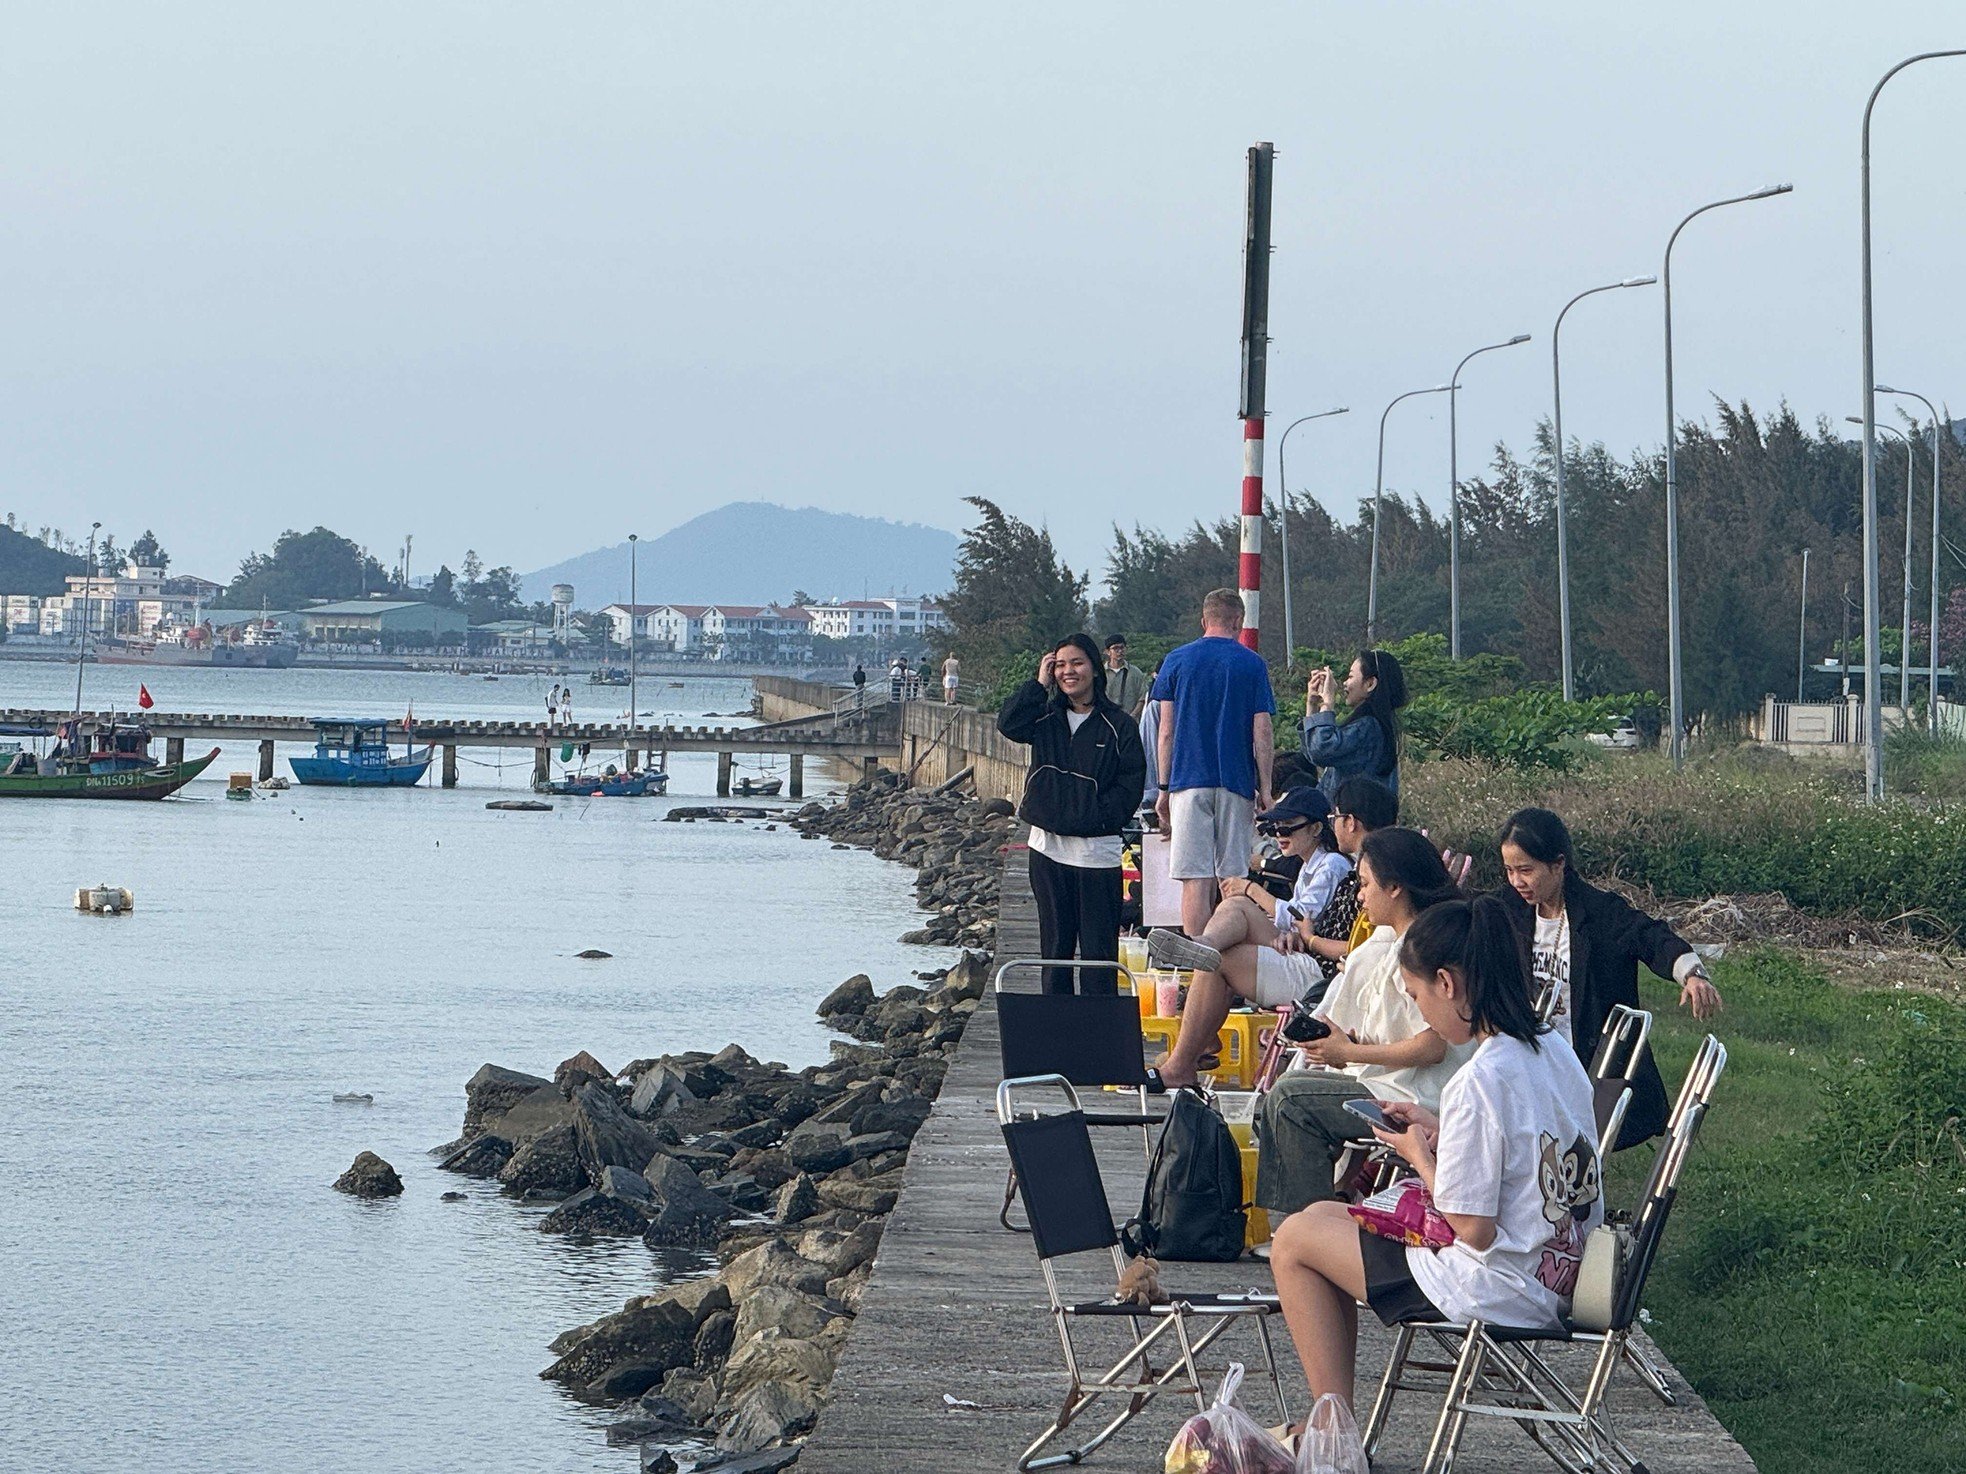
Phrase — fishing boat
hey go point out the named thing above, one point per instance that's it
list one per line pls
(758, 787)
(354, 752)
(609, 783)
(93, 758)
(608, 675)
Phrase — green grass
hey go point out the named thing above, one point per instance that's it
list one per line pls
(1932, 765)
(1812, 1282)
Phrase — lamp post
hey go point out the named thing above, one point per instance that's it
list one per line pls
(1904, 632)
(1283, 490)
(1674, 663)
(82, 649)
(1562, 525)
(634, 614)
(1802, 631)
(1454, 496)
(1932, 637)
(1378, 496)
(1873, 687)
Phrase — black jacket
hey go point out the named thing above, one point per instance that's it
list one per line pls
(1087, 782)
(1609, 938)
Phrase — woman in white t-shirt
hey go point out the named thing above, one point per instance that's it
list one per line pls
(1511, 1161)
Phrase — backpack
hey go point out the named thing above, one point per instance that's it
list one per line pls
(1192, 1207)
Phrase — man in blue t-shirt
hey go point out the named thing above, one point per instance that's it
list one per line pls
(1215, 743)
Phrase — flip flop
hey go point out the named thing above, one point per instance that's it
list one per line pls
(1206, 1063)
(1158, 1086)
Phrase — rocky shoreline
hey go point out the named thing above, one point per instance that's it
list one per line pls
(787, 1176)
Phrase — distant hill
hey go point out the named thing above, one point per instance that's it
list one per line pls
(30, 566)
(756, 552)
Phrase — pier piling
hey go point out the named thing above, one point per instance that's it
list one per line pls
(723, 774)
(795, 783)
(173, 749)
(266, 759)
(542, 764)
(450, 765)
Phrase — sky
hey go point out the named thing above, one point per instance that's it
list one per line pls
(525, 278)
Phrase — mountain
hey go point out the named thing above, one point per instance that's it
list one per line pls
(756, 552)
(30, 566)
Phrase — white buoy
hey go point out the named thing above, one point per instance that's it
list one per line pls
(105, 899)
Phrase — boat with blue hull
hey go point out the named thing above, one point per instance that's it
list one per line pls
(353, 752)
(611, 784)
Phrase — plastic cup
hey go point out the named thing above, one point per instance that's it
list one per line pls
(1167, 994)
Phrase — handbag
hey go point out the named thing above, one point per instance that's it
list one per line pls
(1404, 1213)
(1601, 1276)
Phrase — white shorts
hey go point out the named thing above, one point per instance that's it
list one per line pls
(949, 683)
(1282, 977)
(1214, 832)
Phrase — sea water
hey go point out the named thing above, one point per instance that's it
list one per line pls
(184, 1289)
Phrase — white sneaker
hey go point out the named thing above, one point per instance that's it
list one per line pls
(1167, 948)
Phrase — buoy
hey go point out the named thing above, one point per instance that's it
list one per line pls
(104, 900)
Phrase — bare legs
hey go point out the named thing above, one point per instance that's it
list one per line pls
(1197, 904)
(1236, 929)
(1320, 1276)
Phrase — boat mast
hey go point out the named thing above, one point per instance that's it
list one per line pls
(82, 651)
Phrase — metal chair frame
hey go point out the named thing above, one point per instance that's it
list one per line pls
(1180, 1375)
(1499, 1372)
(1145, 1121)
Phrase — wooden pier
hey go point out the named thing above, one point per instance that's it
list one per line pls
(956, 1309)
(863, 736)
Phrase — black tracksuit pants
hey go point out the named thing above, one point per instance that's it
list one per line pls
(1078, 916)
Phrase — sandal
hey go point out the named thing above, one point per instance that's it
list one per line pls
(1156, 1085)
(1206, 1063)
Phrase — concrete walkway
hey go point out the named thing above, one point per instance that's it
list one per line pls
(956, 1308)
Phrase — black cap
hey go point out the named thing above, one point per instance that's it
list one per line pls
(1299, 803)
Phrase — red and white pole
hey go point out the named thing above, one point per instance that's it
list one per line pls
(1250, 564)
(1255, 358)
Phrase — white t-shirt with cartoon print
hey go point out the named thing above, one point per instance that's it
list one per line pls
(1518, 1143)
(1550, 967)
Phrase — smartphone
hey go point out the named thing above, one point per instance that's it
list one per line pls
(1305, 1027)
(1372, 1114)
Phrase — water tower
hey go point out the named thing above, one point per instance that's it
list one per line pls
(562, 609)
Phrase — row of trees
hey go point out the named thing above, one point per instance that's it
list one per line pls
(1754, 491)
(304, 567)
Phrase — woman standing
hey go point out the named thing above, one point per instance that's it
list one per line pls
(1086, 778)
(1586, 946)
(1366, 743)
(1380, 1045)
(1510, 1160)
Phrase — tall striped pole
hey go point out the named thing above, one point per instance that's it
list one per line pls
(1255, 359)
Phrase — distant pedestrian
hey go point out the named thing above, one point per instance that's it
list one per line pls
(1126, 685)
(553, 704)
(897, 678)
(859, 684)
(951, 679)
(1366, 743)
(1216, 742)
(1087, 772)
(566, 705)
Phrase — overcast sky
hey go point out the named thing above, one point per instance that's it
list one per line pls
(528, 277)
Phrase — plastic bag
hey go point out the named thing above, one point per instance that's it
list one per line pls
(1226, 1440)
(1404, 1213)
(1330, 1444)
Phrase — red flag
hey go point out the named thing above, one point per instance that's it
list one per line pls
(143, 697)
(409, 718)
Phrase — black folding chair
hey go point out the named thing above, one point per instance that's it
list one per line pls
(1057, 1175)
(1092, 1040)
(1502, 1372)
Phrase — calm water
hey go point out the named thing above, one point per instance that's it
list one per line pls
(185, 1292)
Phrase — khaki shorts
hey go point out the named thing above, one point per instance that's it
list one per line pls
(1214, 832)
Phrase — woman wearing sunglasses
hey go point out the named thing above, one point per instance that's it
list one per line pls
(1255, 946)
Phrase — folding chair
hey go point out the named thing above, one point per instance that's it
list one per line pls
(1502, 1372)
(1092, 1040)
(1058, 1177)
(1620, 1050)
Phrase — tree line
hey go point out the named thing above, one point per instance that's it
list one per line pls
(1754, 491)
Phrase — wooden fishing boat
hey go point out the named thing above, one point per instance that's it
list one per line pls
(353, 752)
(95, 759)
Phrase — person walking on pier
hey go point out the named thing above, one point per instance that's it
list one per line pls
(552, 705)
(1216, 740)
(1086, 777)
(951, 679)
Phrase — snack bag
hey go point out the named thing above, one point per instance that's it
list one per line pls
(1225, 1439)
(1404, 1213)
(1331, 1444)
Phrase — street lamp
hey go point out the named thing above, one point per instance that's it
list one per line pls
(1454, 497)
(1283, 490)
(82, 649)
(1562, 526)
(1904, 632)
(1673, 659)
(1378, 496)
(1873, 687)
(634, 614)
(1802, 631)
(1932, 639)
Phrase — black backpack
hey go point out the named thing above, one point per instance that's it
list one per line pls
(1193, 1206)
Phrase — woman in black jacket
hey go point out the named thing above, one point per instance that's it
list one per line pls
(1587, 944)
(1088, 771)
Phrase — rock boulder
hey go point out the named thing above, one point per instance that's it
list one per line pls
(684, 1210)
(370, 1177)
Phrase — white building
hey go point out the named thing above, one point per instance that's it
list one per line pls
(131, 604)
(894, 618)
(756, 629)
(20, 613)
(678, 627)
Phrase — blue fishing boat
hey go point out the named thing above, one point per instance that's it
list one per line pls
(354, 752)
(612, 783)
